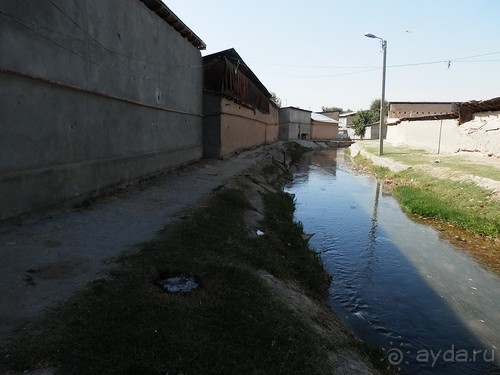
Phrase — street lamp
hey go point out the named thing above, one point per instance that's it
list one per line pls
(380, 134)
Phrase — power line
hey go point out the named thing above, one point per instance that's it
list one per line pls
(101, 45)
(50, 40)
(375, 67)
(312, 66)
(456, 21)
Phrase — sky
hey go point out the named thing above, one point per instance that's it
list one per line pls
(314, 54)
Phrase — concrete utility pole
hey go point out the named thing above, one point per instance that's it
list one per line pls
(382, 100)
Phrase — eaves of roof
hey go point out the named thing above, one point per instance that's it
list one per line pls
(443, 116)
(236, 59)
(482, 105)
(169, 17)
(422, 102)
(322, 118)
(466, 110)
(296, 108)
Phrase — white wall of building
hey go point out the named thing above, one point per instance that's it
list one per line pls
(482, 134)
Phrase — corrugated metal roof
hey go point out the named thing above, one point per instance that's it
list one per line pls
(166, 14)
(322, 118)
(347, 114)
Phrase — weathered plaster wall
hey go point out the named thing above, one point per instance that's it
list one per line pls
(229, 127)
(211, 125)
(243, 128)
(482, 134)
(434, 135)
(324, 131)
(92, 94)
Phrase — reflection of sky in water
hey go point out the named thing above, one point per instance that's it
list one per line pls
(395, 282)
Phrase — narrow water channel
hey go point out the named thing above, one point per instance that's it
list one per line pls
(429, 306)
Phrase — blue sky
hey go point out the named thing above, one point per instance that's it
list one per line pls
(314, 53)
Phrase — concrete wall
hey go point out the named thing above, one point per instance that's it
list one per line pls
(372, 131)
(345, 121)
(229, 127)
(293, 122)
(434, 135)
(324, 131)
(92, 95)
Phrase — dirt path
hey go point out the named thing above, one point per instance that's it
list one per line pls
(44, 262)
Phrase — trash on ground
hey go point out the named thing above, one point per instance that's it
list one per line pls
(179, 284)
(307, 236)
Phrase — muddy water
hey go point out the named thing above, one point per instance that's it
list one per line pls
(396, 283)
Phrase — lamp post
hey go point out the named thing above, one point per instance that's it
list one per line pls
(380, 127)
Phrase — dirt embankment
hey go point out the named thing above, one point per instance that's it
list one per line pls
(50, 261)
(344, 353)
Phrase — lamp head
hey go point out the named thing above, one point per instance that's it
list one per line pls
(370, 35)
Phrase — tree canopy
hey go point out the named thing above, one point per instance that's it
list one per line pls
(335, 109)
(275, 99)
(362, 119)
(375, 106)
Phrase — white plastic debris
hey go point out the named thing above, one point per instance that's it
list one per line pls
(259, 232)
(307, 236)
(359, 315)
(179, 284)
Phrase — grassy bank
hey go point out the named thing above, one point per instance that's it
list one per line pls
(234, 323)
(461, 203)
(466, 212)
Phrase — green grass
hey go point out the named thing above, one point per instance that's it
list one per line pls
(463, 211)
(465, 166)
(126, 324)
(401, 154)
(413, 157)
(461, 203)
(379, 171)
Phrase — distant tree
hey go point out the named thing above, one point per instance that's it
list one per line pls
(362, 119)
(375, 106)
(275, 99)
(331, 109)
(335, 109)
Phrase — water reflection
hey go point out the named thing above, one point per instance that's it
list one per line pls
(395, 282)
(372, 236)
